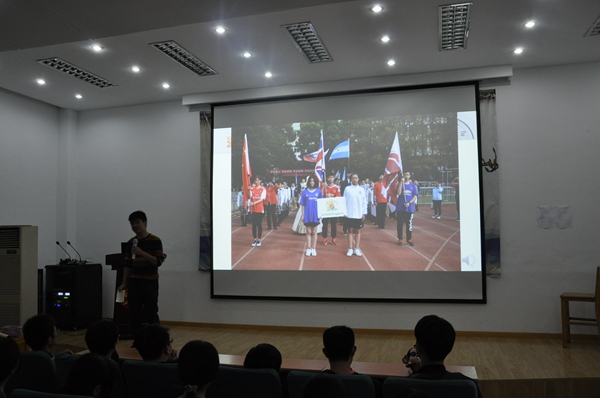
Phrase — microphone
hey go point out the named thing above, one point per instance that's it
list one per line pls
(69, 243)
(135, 243)
(65, 261)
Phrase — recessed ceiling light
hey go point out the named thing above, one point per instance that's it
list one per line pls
(166, 85)
(377, 8)
(247, 55)
(530, 24)
(385, 39)
(96, 48)
(391, 62)
(135, 69)
(268, 74)
(78, 96)
(41, 81)
(220, 30)
(518, 50)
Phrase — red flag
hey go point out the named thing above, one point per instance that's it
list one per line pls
(390, 176)
(246, 172)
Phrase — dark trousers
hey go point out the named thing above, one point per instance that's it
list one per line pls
(404, 217)
(271, 216)
(437, 207)
(381, 209)
(142, 292)
(256, 220)
(333, 223)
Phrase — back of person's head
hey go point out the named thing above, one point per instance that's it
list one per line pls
(323, 385)
(197, 366)
(435, 337)
(10, 357)
(338, 342)
(138, 215)
(91, 375)
(37, 330)
(263, 356)
(101, 337)
(152, 341)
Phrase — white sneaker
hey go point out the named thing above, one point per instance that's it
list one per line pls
(258, 243)
(434, 216)
(357, 252)
(308, 252)
(314, 252)
(439, 217)
(350, 251)
(254, 243)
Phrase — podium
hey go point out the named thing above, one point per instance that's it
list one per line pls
(120, 313)
(74, 295)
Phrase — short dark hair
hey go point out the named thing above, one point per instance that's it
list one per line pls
(435, 337)
(151, 341)
(324, 385)
(198, 364)
(338, 342)
(11, 356)
(101, 337)
(138, 215)
(88, 371)
(263, 356)
(37, 330)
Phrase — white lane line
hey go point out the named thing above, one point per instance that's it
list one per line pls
(439, 250)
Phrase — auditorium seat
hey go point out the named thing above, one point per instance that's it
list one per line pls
(245, 383)
(148, 380)
(21, 393)
(356, 386)
(63, 363)
(394, 387)
(568, 320)
(36, 372)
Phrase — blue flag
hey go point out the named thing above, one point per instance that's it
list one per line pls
(341, 151)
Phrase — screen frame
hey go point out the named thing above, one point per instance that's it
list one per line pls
(482, 300)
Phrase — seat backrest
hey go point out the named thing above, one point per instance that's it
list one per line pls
(36, 372)
(394, 387)
(245, 383)
(151, 380)
(356, 386)
(63, 363)
(21, 393)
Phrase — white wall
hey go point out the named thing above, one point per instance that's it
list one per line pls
(146, 157)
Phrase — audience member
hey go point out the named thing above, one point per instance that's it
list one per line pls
(263, 356)
(197, 367)
(9, 361)
(102, 337)
(40, 332)
(154, 344)
(91, 375)
(339, 348)
(435, 338)
(323, 385)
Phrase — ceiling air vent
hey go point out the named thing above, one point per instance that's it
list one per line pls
(184, 57)
(75, 71)
(309, 43)
(454, 25)
(594, 30)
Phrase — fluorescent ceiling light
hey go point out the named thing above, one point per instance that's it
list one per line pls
(247, 55)
(454, 25)
(184, 57)
(268, 74)
(385, 39)
(166, 85)
(75, 71)
(594, 30)
(530, 24)
(220, 30)
(96, 48)
(391, 62)
(308, 42)
(41, 82)
(518, 50)
(377, 8)
(136, 69)
(78, 96)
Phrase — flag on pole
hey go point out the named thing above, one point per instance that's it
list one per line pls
(343, 176)
(246, 172)
(390, 175)
(341, 151)
(337, 175)
(312, 157)
(320, 165)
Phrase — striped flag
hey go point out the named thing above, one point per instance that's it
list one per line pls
(246, 172)
(320, 165)
(390, 175)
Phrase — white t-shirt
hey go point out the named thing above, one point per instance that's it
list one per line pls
(356, 201)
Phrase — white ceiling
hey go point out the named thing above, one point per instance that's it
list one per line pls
(37, 29)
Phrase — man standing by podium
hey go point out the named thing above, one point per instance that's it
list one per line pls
(144, 256)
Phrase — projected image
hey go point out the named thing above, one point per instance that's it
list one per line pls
(357, 195)
(366, 196)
